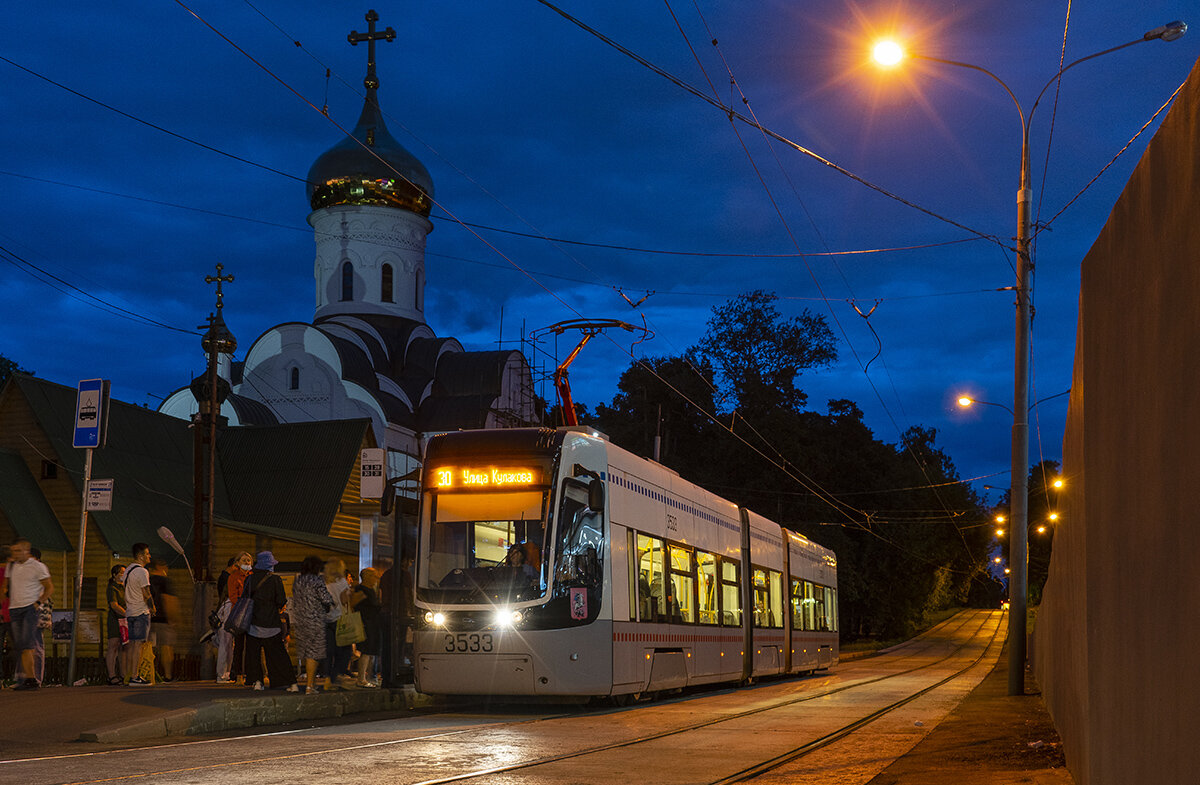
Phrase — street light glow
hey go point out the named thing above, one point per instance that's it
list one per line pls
(888, 53)
(1041, 530)
(1053, 516)
(1058, 483)
(999, 532)
(965, 401)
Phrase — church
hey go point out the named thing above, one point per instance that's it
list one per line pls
(368, 353)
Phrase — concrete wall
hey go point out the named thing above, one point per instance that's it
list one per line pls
(1118, 638)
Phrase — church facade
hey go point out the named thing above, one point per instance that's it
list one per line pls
(368, 353)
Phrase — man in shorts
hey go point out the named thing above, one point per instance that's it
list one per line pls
(27, 582)
(139, 604)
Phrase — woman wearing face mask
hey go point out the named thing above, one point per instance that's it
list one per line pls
(243, 563)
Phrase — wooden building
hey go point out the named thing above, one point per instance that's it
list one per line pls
(292, 489)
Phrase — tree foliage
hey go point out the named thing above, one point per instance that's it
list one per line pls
(909, 537)
(758, 354)
(8, 368)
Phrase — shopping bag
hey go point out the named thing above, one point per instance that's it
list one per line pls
(239, 618)
(145, 667)
(350, 628)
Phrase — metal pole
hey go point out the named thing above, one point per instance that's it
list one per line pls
(1018, 557)
(87, 478)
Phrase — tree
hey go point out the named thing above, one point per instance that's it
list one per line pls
(8, 368)
(666, 397)
(758, 354)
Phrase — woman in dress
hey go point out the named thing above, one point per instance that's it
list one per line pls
(310, 603)
(265, 636)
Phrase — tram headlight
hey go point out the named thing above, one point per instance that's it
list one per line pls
(436, 619)
(507, 618)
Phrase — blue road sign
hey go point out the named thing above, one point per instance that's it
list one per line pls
(89, 412)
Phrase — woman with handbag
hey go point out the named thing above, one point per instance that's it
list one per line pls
(337, 658)
(264, 637)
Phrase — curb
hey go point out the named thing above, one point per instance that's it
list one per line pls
(235, 713)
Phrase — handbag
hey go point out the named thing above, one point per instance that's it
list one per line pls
(45, 610)
(243, 610)
(349, 629)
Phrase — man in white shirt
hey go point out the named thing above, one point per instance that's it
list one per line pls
(27, 582)
(139, 604)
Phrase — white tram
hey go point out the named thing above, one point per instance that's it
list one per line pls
(551, 562)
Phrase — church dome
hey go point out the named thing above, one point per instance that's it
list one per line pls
(349, 173)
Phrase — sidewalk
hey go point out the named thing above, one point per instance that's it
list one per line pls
(991, 738)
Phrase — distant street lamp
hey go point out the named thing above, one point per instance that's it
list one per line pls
(891, 55)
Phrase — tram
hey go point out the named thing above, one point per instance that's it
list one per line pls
(554, 563)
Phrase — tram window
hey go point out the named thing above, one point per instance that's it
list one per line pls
(809, 618)
(760, 596)
(681, 606)
(580, 540)
(470, 534)
(652, 604)
(828, 623)
(774, 616)
(819, 609)
(833, 610)
(797, 604)
(631, 549)
(706, 573)
(731, 594)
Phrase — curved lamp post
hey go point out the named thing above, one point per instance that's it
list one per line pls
(890, 54)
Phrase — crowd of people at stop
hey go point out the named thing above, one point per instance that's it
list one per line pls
(333, 653)
(334, 623)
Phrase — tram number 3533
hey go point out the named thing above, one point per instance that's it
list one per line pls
(468, 642)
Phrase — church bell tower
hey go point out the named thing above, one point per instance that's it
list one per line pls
(371, 200)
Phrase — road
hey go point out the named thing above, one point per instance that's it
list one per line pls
(839, 727)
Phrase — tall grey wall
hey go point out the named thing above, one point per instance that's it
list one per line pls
(1118, 633)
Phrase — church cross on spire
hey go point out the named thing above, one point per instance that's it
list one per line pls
(218, 279)
(371, 36)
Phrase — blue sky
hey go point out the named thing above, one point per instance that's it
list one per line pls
(527, 123)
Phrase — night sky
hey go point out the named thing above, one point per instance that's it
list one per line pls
(529, 124)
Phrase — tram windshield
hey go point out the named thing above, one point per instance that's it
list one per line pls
(484, 546)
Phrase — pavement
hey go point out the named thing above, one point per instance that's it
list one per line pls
(991, 738)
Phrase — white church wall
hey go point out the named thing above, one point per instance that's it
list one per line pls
(369, 237)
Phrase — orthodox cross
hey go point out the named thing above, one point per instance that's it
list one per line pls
(218, 279)
(371, 36)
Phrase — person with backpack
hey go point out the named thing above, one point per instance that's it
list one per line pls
(139, 605)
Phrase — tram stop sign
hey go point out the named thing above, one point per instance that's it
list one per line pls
(371, 476)
(91, 410)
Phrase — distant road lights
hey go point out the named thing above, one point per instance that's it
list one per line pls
(1041, 530)
(888, 53)
(997, 561)
(999, 532)
(1058, 482)
(1053, 517)
(1000, 519)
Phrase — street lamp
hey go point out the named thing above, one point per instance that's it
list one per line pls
(891, 55)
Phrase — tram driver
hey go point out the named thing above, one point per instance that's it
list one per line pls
(517, 559)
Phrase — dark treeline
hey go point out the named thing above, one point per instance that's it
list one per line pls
(730, 416)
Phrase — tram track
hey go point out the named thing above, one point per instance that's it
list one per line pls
(978, 623)
(773, 763)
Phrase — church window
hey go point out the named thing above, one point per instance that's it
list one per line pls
(347, 281)
(294, 379)
(385, 284)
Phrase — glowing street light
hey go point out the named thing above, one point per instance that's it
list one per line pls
(1019, 498)
(1041, 530)
(999, 532)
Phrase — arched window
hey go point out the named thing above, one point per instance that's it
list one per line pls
(385, 285)
(347, 281)
(294, 379)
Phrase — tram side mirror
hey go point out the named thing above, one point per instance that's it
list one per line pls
(596, 495)
(388, 502)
